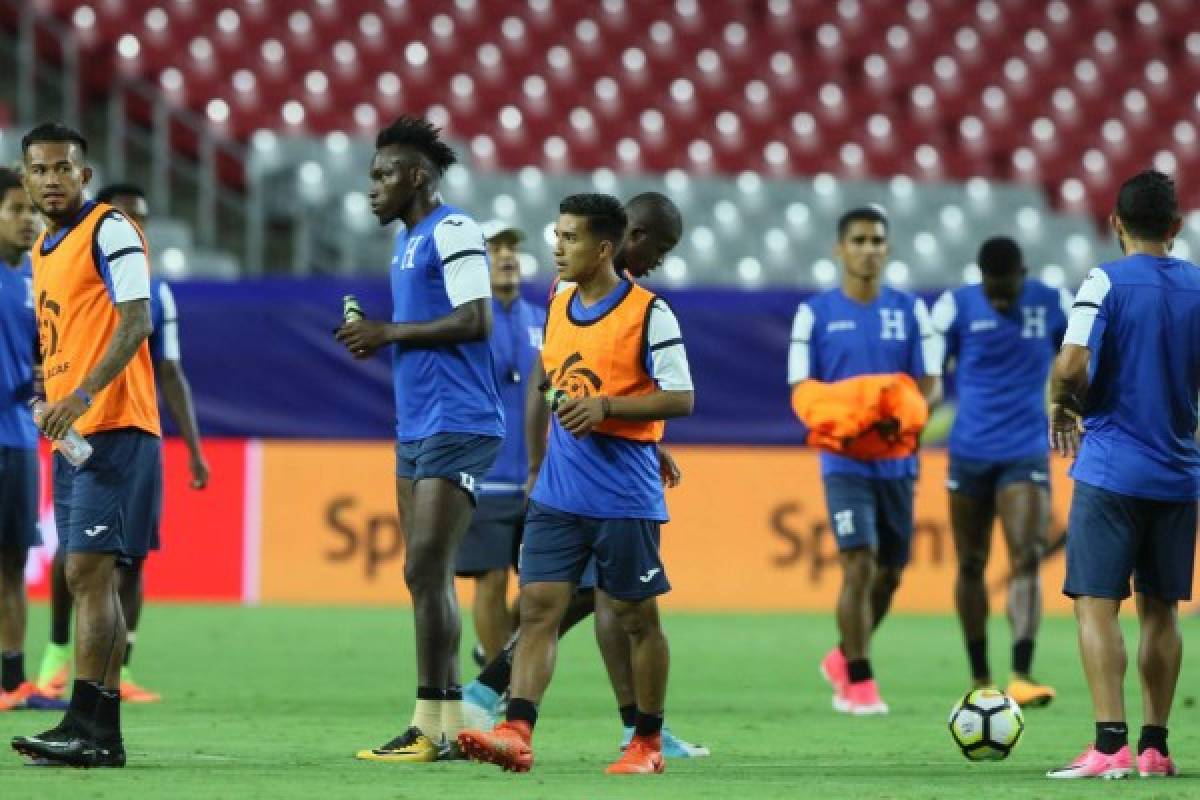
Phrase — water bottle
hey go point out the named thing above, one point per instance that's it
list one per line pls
(74, 448)
(351, 310)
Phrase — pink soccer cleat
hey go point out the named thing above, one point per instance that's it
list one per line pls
(1094, 764)
(861, 699)
(1153, 764)
(834, 668)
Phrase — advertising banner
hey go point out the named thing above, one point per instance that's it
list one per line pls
(748, 531)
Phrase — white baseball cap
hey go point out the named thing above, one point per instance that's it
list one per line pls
(494, 229)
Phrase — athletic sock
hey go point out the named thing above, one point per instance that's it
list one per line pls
(628, 715)
(977, 655)
(108, 714)
(522, 710)
(81, 711)
(1022, 656)
(12, 670)
(130, 639)
(427, 714)
(648, 723)
(859, 670)
(452, 722)
(1153, 736)
(498, 674)
(1111, 737)
(60, 632)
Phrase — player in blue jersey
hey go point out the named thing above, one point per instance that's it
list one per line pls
(654, 228)
(1127, 379)
(615, 361)
(176, 392)
(449, 420)
(864, 328)
(487, 550)
(1001, 336)
(19, 227)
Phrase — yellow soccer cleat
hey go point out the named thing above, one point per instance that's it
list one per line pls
(56, 670)
(412, 746)
(1030, 694)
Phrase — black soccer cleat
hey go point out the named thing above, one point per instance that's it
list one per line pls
(65, 746)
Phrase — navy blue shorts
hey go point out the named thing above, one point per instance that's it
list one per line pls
(558, 547)
(461, 458)
(1112, 537)
(112, 504)
(19, 498)
(872, 513)
(983, 479)
(489, 541)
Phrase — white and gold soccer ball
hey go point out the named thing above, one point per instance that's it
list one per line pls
(986, 725)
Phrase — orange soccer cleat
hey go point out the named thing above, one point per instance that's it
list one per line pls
(642, 757)
(509, 746)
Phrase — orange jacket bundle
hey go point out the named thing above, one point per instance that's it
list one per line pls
(868, 417)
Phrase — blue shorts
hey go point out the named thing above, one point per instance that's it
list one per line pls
(1112, 537)
(871, 513)
(983, 479)
(558, 547)
(461, 458)
(112, 504)
(492, 536)
(19, 498)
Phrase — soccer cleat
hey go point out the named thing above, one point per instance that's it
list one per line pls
(835, 669)
(412, 746)
(479, 705)
(26, 697)
(644, 756)
(672, 745)
(1094, 764)
(55, 671)
(1153, 764)
(509, 746)
(132, 693)
(65, 745)
(1030, 694)
(861, 699)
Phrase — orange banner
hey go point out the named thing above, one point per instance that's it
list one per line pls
(748, 531)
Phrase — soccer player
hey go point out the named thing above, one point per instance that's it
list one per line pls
(615, 360)
(449, 421)
(865, 328)
(19, 227)
(654, 228)
(486, 551)
(91, 282)
(1126, 380)
(1001, 336)
(176, 391)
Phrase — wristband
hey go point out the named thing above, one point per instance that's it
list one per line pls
(82, 394)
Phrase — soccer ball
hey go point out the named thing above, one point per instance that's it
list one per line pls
(986, 725)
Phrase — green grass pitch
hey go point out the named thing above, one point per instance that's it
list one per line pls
(272, 703)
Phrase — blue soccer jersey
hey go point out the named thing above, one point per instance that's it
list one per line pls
(835, 337)
(164, 341)
(1003, 361)
(1140, 318)
(609, 477)
(516, 342)
(18, 346)
(439, 265)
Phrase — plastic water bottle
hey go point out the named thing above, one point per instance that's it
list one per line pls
(351, 310)
(74, 448)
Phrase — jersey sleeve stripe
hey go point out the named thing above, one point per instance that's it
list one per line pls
(127, 251)
(666, 343)
(463, 254)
